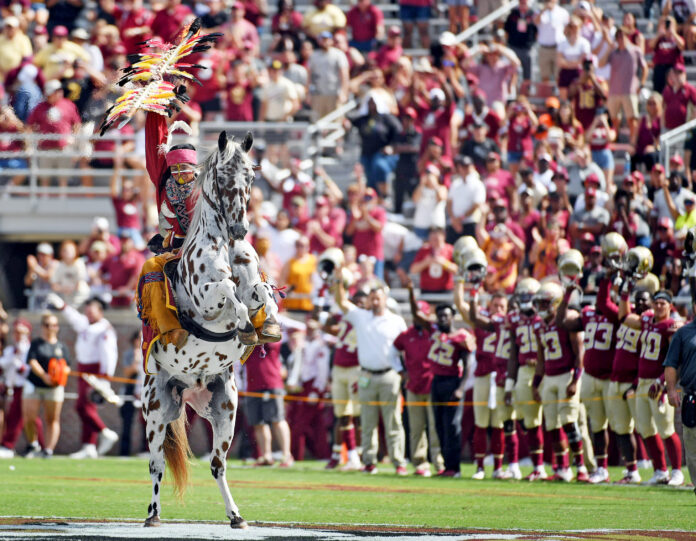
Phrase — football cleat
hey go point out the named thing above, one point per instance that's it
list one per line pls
(500, 473)
(370, 469)
(32, 450)
(564, 475)
(352, 465)
(450, 473)
(287, 462)
(6, 453)
(661, 477)
(537, 475)
(332, 464)
(88, 450)
(583, 476)
(480, 474)
(514, 471)
(630, 478)
(107, 439)
(677, 478)
(423, 470)
(601, 475)
(401, 471)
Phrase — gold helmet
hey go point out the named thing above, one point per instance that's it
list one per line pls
(525, 291)
(614, 248)
(650, 283)
(330, 260)
(475, 266)
(547, 299)
(570, 266)
(639, 262)
(463, 245)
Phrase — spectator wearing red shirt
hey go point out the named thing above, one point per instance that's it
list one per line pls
(169, 20)
(499, 182)
(240, 32)
(56, 115)
(677, 95)
(480, 112)
(212, 75)
(122, 271)
(434, 263)
(646, 144)
(325, 229)
(435, 117)
(134, 22)
(264, 375)
(240, 93)
(667, 47)
(520, 132)
(126, 203)
(625, 220)
(663, 245)
(390, 53)
(367, 219)
(366, 23)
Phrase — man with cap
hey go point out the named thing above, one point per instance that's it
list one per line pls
(496, 72)
(14, 45)
(390, 53)
(80, 37)
(241, 33)
(38, 277)
(329, 75)
(96, 352)
(479, 145)
(58, 54)
(366, 23)
(435, 110)
(677, 95)
(592, 219)
(480, 112)
(56, 115)
(591, 181)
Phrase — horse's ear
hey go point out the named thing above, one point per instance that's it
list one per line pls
(222, 141)
(248, 142)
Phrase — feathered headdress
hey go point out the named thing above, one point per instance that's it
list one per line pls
(148, 70)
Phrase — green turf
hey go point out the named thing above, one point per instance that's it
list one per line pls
(113, 488)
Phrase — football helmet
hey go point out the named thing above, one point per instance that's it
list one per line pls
(525, 291)
(570, 266)
(639, 262)
(548, 298)
(614, 248)
(475, 266)
(329, 261)
(462, 246)
(650, 283)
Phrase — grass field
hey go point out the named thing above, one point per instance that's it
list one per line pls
(120, 489)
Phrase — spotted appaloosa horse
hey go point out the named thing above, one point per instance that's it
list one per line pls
(218, 289)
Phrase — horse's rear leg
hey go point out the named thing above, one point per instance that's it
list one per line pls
(159, 409)
(222, 414)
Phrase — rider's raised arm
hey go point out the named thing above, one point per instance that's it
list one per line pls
(155, 135)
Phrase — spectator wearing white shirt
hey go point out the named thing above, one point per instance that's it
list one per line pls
(532, 185)
(544, 174)
(550, 22)
(380, 381)
(570, 54)
(282, 237)
(467, 194)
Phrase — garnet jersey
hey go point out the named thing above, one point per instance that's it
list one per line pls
(446, 351)
(502, 349)
(486, 344)
(600, 343)
(654, 343)
(559, 356)
(346, 349)
(625, 367)
(525, 336)
(415, 344)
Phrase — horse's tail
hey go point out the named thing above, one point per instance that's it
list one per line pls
(177, 453)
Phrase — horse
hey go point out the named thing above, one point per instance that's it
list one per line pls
(217, 290)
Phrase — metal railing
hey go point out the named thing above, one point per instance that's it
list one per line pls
(474, 29)
(672, 138)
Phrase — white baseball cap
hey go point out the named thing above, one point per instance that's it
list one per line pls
(52, 86)
(44, 248)
(100, 223)
(11, 21)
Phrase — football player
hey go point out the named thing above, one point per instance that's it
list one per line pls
(559, 365)
(654, 414)
(520, 372)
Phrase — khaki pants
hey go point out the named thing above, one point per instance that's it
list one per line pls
(558, 409)
(593, 394)
(343, 381)
(381, 388)
(548, 69)
(689, 438)
(621, 412)
(653, 416)
(323, 105)
(587, 442)
(527, 410)
(421, 422)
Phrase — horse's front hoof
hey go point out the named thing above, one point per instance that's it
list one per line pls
(238, 523)
(153, 522)
(270, 332)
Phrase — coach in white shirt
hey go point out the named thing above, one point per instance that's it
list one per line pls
(376, 329)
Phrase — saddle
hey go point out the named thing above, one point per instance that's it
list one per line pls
(171, 274)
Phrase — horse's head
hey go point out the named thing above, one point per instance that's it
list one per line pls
(226, 180)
